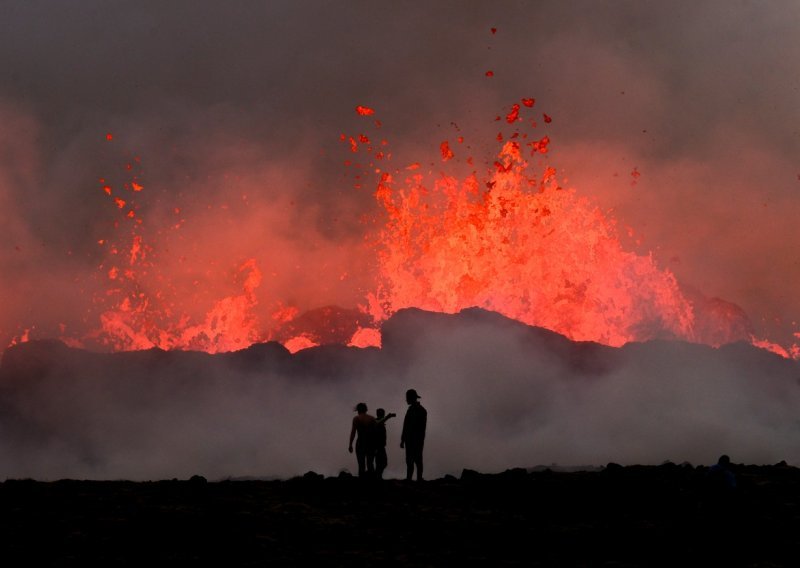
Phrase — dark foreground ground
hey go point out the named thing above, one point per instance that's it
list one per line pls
(620, 516)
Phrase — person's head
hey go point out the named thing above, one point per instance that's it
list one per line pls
(380, 413)
(411, 396)
(361, 407)
(724, 460)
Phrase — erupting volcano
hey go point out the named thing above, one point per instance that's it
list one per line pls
(505, 236)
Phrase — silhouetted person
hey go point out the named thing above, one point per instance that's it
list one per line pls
(413, 436)
(720, 495)
(720, 477)
(363, 424)
(381, 461)
(723, 531)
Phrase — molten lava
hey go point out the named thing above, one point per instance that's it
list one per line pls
(141, 322)
(509, 239)
(516, 242)
(526, 248)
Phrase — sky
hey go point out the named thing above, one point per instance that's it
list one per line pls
(680, 118)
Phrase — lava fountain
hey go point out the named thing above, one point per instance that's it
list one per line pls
(523, 246)
(514, 241)
(508, 238)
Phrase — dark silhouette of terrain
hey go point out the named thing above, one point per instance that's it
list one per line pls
(617, 516)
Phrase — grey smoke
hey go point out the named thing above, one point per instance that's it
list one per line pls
(499, 394)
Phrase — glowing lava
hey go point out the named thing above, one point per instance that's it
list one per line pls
(141, 322)
(523, 246)
(516, 242)
(509, 239)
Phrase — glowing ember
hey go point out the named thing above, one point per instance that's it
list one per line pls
(23, 338)
(447, 153)
(513, 116)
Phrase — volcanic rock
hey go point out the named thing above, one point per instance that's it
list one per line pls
(623, 516)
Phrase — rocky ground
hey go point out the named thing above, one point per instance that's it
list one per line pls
(620, 516)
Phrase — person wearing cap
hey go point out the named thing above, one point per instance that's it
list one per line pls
(413, 436)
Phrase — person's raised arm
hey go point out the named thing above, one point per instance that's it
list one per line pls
(385, 418)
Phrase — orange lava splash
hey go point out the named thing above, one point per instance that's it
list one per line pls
(141, 322)
(150, 299)
(516, 242)
(140, 303)
(523, 246)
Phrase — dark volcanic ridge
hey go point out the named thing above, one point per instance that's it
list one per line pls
(499, 394)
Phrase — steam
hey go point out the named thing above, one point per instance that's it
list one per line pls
(498, 395)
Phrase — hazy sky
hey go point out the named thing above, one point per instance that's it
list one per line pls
(234, 111)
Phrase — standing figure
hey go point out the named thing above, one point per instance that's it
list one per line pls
(413, 437)
(363, 424)
(381, 460)
(721, 480)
